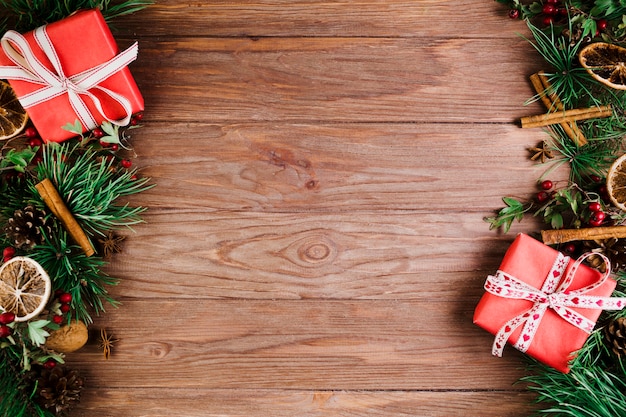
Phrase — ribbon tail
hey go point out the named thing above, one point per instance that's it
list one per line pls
(81, 110)
(575, 319)
(94, 76)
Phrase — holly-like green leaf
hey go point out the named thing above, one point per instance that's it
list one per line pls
(76, 127)
(36, 332)
(18, 160)
(112, 133)
(514, 210)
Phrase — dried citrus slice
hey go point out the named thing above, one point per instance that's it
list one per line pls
(13, 117)
(24, 288)
(616, 182)
(606, 63)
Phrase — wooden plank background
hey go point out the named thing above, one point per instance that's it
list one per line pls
(314, 244)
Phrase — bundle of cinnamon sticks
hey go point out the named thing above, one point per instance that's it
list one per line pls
(557, 114)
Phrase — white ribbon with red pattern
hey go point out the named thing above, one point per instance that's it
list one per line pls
(551, 295)
(56, 83)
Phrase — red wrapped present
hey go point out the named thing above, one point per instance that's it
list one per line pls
(71, 70)
(543, 303)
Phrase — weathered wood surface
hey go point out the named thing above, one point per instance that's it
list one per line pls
(314, 244)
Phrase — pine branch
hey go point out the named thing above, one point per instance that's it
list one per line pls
(596, 383)
(91, 188)
(15, 392)
(77, 274)
(594, 158)
(569, 81)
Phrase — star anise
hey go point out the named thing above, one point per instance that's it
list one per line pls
(111, 244)
(542, 152)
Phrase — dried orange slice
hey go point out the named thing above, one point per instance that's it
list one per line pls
(606, 63)
(24, 288)
(13, 117)
(616, 182)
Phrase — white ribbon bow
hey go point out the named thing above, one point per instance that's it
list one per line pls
(56, 83)
(552, 295)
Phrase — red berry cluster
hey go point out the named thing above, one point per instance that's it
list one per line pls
(5, 319)
(543, 196)
(597, 215)
(65, 298)
(552, 10)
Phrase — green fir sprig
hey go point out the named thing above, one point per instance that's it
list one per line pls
(596, 383)
(90, 184)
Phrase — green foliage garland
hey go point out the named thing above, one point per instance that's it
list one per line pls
(596, 384)
(93, 178)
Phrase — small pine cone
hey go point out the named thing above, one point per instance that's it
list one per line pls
(58, 389)
(27, 227)
(615, 334)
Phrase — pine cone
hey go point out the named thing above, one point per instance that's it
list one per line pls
(613, 248)
(58, 389)
(27, 227)
(615, 334)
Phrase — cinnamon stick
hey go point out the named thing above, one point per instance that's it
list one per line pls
(552, 102)
(551, 237)
(57, 206)
(566, 116)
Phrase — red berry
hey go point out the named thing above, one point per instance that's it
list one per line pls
(7, 317)
(126, 163)
(57, 319)
(595, 206)
(114, 147)
(514, 13)
(32, 142)
(65, 308)
(65, 298)
(595, 178)
(49, 364)
(601, 24)
(8, 252)
(552, 1)
(547, 20)
(138, 117)
(547, 185)
(542, 196)
(37, 160)
(31, 132)
(97, 133)
(5, 331)
(570, 248)
(549, 9)
(598, 216)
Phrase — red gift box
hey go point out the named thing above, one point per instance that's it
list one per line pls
(82, 42)
(555, 340)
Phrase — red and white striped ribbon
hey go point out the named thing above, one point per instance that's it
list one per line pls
(55, 82)
(552, 295)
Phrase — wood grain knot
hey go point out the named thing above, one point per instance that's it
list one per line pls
(315, 250)
(158, 350)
